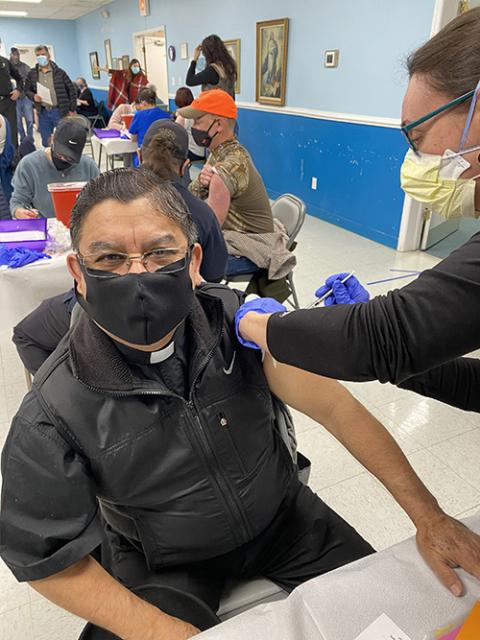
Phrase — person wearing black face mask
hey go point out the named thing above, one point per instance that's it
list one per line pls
(62, 162)
(152, 418)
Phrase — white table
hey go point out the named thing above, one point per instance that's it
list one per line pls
(343, 603)
(23, 289)
(113, 147)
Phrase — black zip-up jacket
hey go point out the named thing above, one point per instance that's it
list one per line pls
(184, 480)
(412, 337)
(64, 88)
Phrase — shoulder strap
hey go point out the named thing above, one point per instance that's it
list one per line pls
(231, 299)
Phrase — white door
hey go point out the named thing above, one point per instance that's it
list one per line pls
(27, 53)
(151, 50)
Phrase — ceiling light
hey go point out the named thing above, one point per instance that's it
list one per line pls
(29, 1)
(13, 14)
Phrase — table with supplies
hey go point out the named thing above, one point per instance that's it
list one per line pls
(392, 590)
(23, 289)
(113, 147)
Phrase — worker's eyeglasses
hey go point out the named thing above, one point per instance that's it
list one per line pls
(108, 264)
(408, 128)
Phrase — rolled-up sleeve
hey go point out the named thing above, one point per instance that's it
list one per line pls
(49, 514)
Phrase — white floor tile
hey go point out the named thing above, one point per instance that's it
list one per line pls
(454, 494)
(52, 623)
(427, 420)
(331, 462)
(12, 593)
(370, 509)
(16, 624)
(462, 454)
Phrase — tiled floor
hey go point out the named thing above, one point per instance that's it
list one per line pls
(442, 444)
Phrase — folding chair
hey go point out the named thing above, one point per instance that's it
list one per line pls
(290, 211)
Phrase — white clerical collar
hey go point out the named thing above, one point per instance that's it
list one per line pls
(162, 354)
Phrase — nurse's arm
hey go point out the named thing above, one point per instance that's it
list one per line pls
(88, 591)
(443, 541)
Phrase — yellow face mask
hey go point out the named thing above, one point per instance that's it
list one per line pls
(435, 181)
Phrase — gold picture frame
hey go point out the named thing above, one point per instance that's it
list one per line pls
(272, 52)
(108, 54)
(233, 47)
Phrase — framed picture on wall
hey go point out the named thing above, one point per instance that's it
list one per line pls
(125, 61)
(93, 55)
(272, 50)
(184, 50)
(233, 47)
(108, 54)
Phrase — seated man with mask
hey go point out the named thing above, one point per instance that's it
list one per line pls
(152, 414)
(62, 162)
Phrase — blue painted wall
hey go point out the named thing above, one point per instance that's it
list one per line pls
(357, 168)
(62, 34)
(373, 36)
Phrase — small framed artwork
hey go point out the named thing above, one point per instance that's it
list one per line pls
(144, 7)
(93, 55)
(233, 48)
(272, 50)
(108, 53)
(125, 62)
(184, 50)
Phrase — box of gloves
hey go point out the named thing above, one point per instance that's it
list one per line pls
(23, 234)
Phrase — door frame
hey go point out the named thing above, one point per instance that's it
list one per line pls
(412, 234)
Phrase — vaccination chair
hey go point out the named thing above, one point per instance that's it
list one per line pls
(290, 211)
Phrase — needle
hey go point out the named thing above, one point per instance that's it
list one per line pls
(329, 292)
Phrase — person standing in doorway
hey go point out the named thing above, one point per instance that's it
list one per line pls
(61, 90)
(9, 96)
(125, 84)
(24, 105)
(220, 71)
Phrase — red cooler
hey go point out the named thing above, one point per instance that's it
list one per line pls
(64, 196)
(127, 119)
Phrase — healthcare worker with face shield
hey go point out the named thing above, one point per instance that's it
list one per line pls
(413, 337)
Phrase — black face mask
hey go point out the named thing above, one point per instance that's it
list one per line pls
(60, 164)
(201, 137)
(140, 308)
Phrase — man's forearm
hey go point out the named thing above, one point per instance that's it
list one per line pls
(88, 591)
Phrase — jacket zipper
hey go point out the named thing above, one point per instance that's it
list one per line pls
(231, 501)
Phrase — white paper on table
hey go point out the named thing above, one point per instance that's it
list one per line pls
(383, 628)
(45, 94)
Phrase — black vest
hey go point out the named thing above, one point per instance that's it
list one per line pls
(185, 479)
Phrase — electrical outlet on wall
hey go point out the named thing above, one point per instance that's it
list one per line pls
(314, 183)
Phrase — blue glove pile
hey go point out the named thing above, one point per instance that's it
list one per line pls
(349, 292)
(15, 258)
(259, 305)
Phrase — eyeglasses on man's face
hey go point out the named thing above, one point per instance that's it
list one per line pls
(108, 264)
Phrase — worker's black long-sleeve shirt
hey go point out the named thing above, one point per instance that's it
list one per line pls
(412, 337)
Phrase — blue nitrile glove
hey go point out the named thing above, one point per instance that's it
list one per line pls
(15, 258)
(259, 305)
(349, 292)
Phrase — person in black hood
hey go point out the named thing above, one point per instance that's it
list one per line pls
(152, 426)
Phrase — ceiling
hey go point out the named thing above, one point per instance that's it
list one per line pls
(55, 9)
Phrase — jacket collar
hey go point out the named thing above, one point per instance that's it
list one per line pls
(98, 364)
